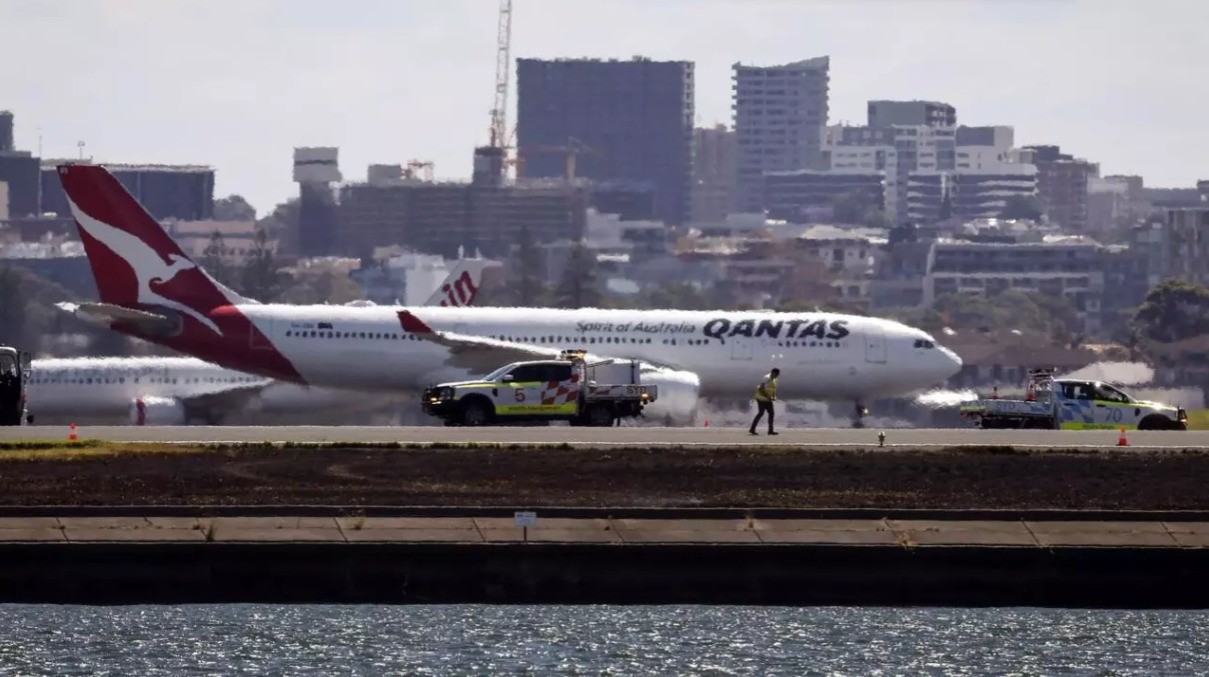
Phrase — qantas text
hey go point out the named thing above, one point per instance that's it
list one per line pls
(805, 328)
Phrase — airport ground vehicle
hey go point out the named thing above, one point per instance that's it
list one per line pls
(566, 389)
(14, 380)
(1073, 404)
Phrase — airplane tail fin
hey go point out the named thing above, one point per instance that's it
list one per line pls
(460, 289)
(133, 259)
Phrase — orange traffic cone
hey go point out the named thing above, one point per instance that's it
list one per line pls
(1121, 440)
(72, 435)
(707, 423)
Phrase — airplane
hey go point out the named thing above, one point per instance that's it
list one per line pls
(178, 390)
(150, 289)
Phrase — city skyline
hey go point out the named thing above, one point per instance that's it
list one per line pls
(237, 87)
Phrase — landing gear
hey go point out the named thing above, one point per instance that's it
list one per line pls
(861, 412)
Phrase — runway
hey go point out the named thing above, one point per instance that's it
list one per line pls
(613, 437)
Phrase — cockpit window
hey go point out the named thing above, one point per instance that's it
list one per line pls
(924, 343)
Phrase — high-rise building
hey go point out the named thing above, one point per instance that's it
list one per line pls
(6, 130)
(315, 170)
(808, 196)
(1185, 244)
(927, 164)
(911, 113)
(1062, 183)
(622, 120)
(713, 173)
(181, 192)
(897, 151)
(967, 194)
(780, 113)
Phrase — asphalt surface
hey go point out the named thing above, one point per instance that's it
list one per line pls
(608, 437)
(480, 530)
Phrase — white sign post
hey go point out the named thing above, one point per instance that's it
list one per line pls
(524, 520)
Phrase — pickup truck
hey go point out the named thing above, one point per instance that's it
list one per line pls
(1073, 404)
(537, 392)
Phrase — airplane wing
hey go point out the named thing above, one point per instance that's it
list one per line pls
(235, 398)
(474, 353)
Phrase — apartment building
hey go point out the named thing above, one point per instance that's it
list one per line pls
(714, 156)
(780, 112)
(1070, 267)
(1062, 184)
(627, 120)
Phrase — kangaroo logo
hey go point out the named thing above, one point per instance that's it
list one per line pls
(461, 292)
(148, 265)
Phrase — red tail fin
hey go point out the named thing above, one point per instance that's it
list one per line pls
(135, 262)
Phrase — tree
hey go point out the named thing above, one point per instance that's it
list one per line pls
(261, 277)
(233, 208)
(1022, 207)
(848, 208)
(524, 285)
(284, 218)
(1174, 310)
(214, 259)
(579, 287)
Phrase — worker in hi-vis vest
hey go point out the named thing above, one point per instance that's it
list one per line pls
(766, 394)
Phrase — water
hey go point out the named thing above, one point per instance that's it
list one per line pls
(684, 640)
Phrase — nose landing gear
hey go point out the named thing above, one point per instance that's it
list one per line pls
(861, 412)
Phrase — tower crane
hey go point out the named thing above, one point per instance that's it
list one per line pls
(499, 114)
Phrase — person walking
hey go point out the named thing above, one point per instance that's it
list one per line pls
(766, 394)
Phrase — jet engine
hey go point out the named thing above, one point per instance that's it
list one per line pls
(678, 396)
(157, 411)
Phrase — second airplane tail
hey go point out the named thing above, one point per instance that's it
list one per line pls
(461, 288)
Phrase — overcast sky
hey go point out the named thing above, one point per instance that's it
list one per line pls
(236, 84)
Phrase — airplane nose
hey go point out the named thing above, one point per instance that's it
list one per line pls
(952, 359)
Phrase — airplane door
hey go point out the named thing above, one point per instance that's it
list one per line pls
(741, 349)
(875, 345)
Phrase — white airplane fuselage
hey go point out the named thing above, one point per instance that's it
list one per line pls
(821, 355)
(108, 387)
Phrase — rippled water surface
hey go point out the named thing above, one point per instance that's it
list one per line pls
(701, 640)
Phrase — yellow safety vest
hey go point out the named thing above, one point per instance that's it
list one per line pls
(767, 391)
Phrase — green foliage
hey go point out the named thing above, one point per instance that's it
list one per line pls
(1022, 207)
(1174, 310)
(524, 285)
(214, 260)
(233, 208)
(261, 277)
(28, 314)
(579, 287)
(672, 296)
(1029, 312)
(857, 207)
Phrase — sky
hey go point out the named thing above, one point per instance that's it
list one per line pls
(237, 84)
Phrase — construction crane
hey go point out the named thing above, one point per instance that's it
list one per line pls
(499, 114)
(415, 165)
(571, 150)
